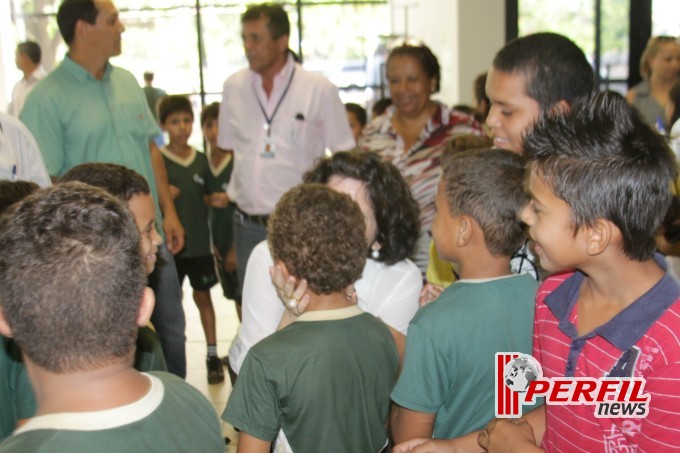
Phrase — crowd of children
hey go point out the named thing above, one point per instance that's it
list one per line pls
(577, 173)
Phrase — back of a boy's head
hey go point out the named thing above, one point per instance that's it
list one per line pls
(71, 277)
(487, 185)
(605, 162)
(173, 103)
(210, 112)
(554, 67)
(119, 181)
(13, 191)
(319, 235)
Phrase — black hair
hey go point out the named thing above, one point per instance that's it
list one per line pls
(358, 111)
(397, 214)
(486, 184)
(173, 103)
(13, 191)
(380, 106)
(427, 60)
(605, 162)
(555, 68)
(121, 182)
(278, 25)
(70, 12)
(210, 112)
(32, 50)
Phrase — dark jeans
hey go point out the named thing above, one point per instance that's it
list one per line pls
(168, 315)
(247, 235)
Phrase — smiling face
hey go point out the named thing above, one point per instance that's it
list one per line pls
(512, 111)
(144, 211)
(357, 191)
(104, 36)
(551, 227)
(410, 86)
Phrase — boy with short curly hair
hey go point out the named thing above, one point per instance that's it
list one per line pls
(324, 380)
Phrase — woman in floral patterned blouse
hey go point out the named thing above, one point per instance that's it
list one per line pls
(414, 130)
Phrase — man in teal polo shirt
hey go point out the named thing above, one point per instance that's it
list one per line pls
(87, 110)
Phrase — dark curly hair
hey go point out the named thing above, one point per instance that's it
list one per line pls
(397, 214)
(318, 234)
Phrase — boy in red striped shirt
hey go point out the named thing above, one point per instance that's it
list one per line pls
(599, 182)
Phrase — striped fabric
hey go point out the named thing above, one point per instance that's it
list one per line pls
(421, 165)
(642, 340)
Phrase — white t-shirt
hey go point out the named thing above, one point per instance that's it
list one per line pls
(388, 292)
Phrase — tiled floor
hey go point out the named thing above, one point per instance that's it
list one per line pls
(227, 324)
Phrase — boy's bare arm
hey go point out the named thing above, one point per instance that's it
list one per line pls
(174, 232)
(250, 444)
(407, 424)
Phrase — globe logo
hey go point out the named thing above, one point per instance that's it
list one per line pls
(520, 372)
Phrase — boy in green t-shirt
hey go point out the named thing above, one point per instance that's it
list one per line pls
(187, 173)
(324, 380)
(221, 164)
(446, 388)
(72, 295)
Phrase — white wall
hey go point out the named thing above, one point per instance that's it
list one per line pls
(463, 34)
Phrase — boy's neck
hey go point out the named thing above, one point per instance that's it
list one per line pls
(104, 388)
(334, 301)
(181, 150)
(217, 155)
(483, 265)
(619, 281)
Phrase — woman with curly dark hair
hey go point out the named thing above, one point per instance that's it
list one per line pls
(390, 283)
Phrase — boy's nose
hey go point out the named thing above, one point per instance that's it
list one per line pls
(525, 214)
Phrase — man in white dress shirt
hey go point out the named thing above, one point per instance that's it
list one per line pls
(278, 119)
(27, 59)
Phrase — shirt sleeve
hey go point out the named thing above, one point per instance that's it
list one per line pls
(225, 136)
(253, 406)
(32, 167)
(660, 430)
(398, 293)
(423, 382)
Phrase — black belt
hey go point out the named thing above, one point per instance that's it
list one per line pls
(261, 219)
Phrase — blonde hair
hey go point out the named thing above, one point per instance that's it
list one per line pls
(653, 47)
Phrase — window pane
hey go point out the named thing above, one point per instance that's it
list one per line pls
(349, 61)
(574, 19)
(615, 45)
(666, 17)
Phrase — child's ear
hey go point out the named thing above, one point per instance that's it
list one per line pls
(464, 233)
(146, 304)
(5, 329)
(599, 235)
